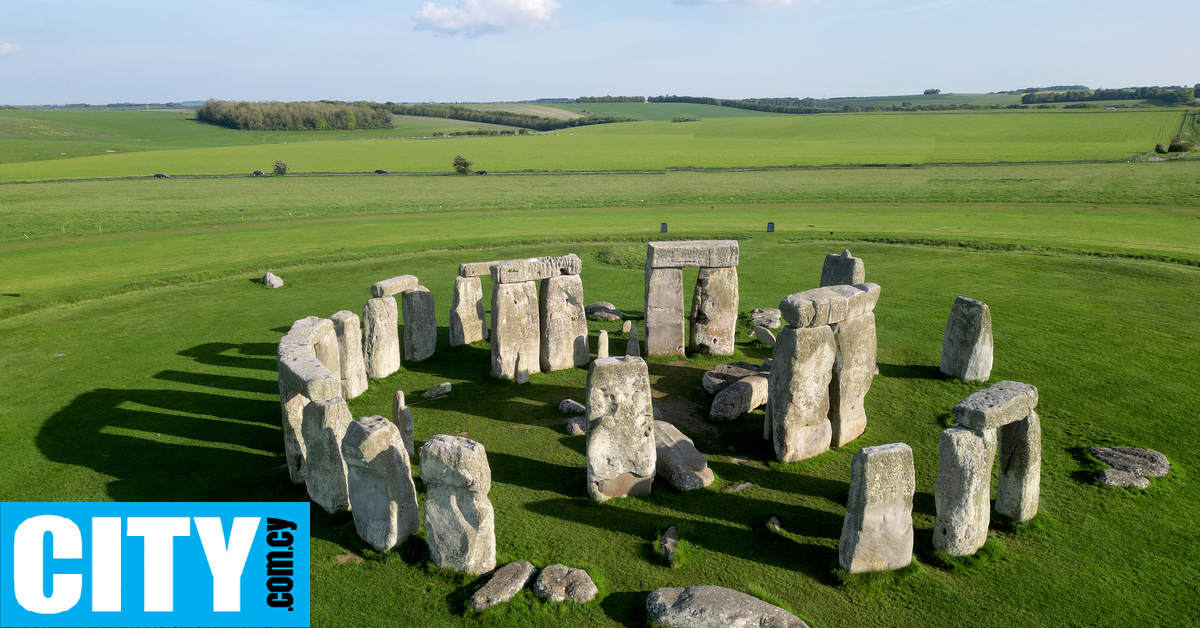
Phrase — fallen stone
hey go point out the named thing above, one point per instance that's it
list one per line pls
(459, 522)
(773, 525)
(468, 321)
(668, 543)
(1146, 462)
(271, 280)
(828, 305)
(325, 424)
(564, 328)
(877, 533)
(1123, 479)
(798, 403)
(570, 406)
(620, 452)
(962, 491)
(381, 346)
(1020, 452)
(383, 497)
(967, 344)
(577, 426)
(715, 607)
(420, 324)
(692, 253)
(536, 269)
(403, 419)
(678, 461)
(395, 285)
(348, 329)
(764, 336)
(441, 390)
(504, 584)
(745, 395)
(769, 317)
(604, 311)
(740, 487)
(844, 269)
(714, 311)
(602, 344)
(725, 375)
(515, 327)
(559, 583)
(853, 371)
(633, 346)
(996, 406)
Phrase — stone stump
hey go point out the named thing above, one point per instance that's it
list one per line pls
(962, 492)
(633, 346)
(383, 497)
(798, 400)
(515, 326)
(621, 455)
(714, 311)
(564, 329)
(844, 269)
(348, 328)
(459, 523)
(468, 321)
(403, 419)
(325, 424)
(302, 378)
(664, 311)
(877, 534)
(381, 346)
(420, 324)
(967, 344)
(602, 344)
(853, 371)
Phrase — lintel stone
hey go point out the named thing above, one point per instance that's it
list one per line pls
(395, 285)
(689, 253)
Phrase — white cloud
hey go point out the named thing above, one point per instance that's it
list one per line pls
(477, 16)
(7, 48)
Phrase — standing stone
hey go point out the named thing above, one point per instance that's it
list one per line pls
(302, 378)
(382, 346)
(468, 321)
(798, 403)
(853, 370)
(602, 344)
(842, 270)
(745, 395)
(459, 523)
(962, 492)
(967, 345)
(626, 326)
(348, 328)
(563, 324)
(714, 311)
(515, 327)
(325, 424)
(420, 324)
(621, 454)
(664, 311)
(325, 347)
(524, 367)
(678, 460)
(383, 497)
(403, 419)
(633, 346)
(1020, 446)
(877, 534)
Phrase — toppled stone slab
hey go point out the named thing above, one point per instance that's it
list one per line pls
(504, 584)
(468, 320)
(664, 316)
(403, 419)
(420, 324)
(853, 372)
(570, 406)
(620, 452)
(740, 487)
(459, 521)
(714, 311)
(798, 403)
(383, 497)
(692, 253)
(830, 304)
(564, 331)
(877, 534)
(381, 346)
(764, 336)
(744, 395)
(844, 269)
(559, 583)
(395, 285)
(967, 345)
(1123, 479)
(715, 607)
(1144, 462)
(325, 424)
(536, 269)
(271, 280)
(479, 269)
(996, 406)
(962, 491)
(348, 329)
(668, 543)
(1020, 453)
(725, 375)
(678, 461)
(516, 329)
(769, 317)
(604, 311)
(441, 390)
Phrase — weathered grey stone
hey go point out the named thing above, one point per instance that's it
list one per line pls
(459, 521)
(853, 371)
(678, 460)
(715, 607)
(383, 497)
(325, 347)
(668, 543)
(505, 583)
(842, 270)
(962, 492)
(626, 326)
(774, 525)
(1123, 479)
(724, 375)
(303, 378)
(764, 336)
(536, 269)
(604, 311)
(967, 345)
(570, 406)
(515, 327)
(271, 280)
(620, 445)
(877, 534)
(714, 311)
(798, 403)
(525, 366)
(633, 346)
(348, 329)
(602, 344)
(692, 253)
(420, 324)
(479, 269)
(468, 321)
(395, 285)
(325, 424)
(769, 317)
(382, 340)
(740, 487)
(830, 304)
(559, 583)
(563, 324)
(1145, 462)
(996, 406)
(577, 426)
(664, 315)
(1020, 452)
(403, 419)
(441, 390)
(744, 395)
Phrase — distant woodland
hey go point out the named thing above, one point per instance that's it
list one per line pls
(1169, 94)
(325, 115)
(537, 123)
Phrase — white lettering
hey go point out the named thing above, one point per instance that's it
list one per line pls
(227, 563)
(159, 568)
(29, 570)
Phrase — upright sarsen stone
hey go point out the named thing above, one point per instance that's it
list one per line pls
(468, 321)
(303, 378)
(621, 455)
(664, 315)
(842, 270)
(515, 327)
(877, 534)
(853, 370)
(1019, 488)
(602, 344)
(348, 328)
(382, 341)
(967, 344)
(798, 403)
(325, 424)
(563, 324)
(962, 492)
(403, 419)
(383, 497)
(459, 523)
(714, 311)
(420, 324)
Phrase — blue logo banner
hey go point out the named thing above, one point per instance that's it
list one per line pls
(154, 564)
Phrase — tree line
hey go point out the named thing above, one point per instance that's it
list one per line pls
(599, 99)
(1170, 95)
(537, 123)
(325, 115)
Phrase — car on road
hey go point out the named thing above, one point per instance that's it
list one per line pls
(259, 173)
(161, 176)
(381, 172)
(481, 172)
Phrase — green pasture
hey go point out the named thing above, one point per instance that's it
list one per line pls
(665, 111)
(930, 99)
(740, 142)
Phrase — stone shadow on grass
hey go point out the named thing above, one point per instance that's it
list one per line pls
(911, 371)
(216, 354)
(627, 608)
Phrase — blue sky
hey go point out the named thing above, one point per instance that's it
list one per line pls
(59, 51)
